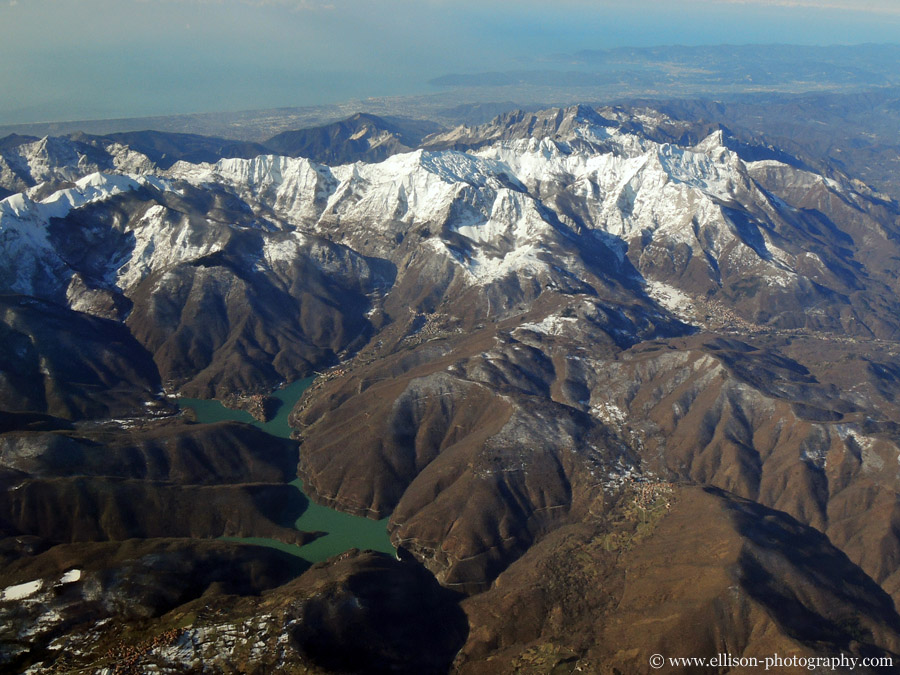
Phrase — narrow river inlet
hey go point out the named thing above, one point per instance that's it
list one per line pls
(344, 531)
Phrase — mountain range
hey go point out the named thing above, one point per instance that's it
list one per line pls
(603, 368)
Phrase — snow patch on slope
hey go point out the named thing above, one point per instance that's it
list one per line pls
(673, 299)
(551, 325)
(21, 591)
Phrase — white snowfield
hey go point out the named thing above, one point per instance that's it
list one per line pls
(70, 577)
(505, 209)
(21, 591)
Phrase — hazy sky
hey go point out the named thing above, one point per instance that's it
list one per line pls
(84, 59)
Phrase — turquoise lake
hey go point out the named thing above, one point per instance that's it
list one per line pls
(344, 531)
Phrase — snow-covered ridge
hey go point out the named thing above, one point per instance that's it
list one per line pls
(91, 188)
(497, 211)
(800, 178)
(62, 159)
(25, 220)
(28, 261)
(676, 195)
(413, 186)
(638, 186)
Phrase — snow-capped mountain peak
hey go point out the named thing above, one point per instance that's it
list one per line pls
(536, 199)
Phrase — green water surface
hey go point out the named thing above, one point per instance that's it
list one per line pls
(344, 531)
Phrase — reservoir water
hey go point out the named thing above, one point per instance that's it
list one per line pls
(344, 531)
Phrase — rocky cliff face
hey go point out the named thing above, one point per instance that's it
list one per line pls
(524, 331)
